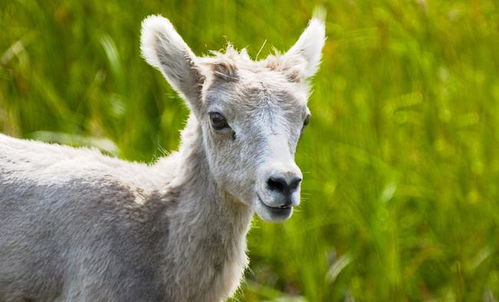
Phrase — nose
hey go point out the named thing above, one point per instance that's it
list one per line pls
(284, 184)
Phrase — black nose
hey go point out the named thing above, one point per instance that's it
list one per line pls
(281, 185)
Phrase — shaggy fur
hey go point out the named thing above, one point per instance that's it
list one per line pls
(77, 225)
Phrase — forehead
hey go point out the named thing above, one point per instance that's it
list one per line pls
(257, 88)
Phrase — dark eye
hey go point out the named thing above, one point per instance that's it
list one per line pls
(306, 121)
(218, 121)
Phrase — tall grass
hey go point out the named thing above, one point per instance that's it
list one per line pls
(401, 160)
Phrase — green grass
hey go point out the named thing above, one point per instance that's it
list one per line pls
(401, 159)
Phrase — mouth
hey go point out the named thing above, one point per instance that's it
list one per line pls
(281, 207)
(277, 213)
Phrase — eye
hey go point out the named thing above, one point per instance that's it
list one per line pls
(218, 121)
(306, 121)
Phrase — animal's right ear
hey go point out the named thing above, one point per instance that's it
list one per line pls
(163, 48)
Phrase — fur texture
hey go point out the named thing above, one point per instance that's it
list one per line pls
(77, 225)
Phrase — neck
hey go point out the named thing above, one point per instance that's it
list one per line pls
(207, 233)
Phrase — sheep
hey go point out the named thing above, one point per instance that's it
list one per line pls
(77, 225)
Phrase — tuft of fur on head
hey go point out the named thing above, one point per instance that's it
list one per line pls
(224, 64)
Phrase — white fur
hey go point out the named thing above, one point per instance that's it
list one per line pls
(163, 48)
(309, 46)
(152, 26)
(80, 226)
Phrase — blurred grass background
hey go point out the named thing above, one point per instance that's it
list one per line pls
(401, 164)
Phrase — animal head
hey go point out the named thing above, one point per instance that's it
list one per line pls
(252, 113)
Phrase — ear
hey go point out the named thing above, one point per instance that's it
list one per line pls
(308, 49)
(163, 48)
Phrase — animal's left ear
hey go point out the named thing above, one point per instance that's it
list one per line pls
(305, 55)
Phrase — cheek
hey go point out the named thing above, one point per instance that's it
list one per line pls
(293, 146)
(235, 162)
(294, 141)
(233, 167)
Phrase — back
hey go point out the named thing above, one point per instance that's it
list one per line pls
(59, 203)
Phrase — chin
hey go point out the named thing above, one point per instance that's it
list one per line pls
(272, 214)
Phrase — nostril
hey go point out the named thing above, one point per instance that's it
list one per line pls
(294, 183)
(277, 184)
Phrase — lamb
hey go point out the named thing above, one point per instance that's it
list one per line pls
(77, 225)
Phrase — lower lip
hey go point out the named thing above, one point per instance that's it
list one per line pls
(276, 211)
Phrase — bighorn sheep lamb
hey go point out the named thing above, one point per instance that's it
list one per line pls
(76, 225)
